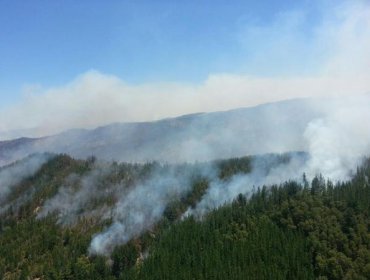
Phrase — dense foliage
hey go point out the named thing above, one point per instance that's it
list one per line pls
(295, 230)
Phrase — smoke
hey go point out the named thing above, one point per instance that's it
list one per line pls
(137, 207)
(266, 170)
(198, 137)
(338, 142)
(13, 174)
(74, 199)
(334, 133)
(134, 197)
(337, 46)
(335, 143)
(89, 104)
(334, 140)
(143, 206)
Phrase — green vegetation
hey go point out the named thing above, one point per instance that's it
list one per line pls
(316, 230)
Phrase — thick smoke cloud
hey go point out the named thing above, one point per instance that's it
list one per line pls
(335, 135)
(92, 100)
(334, 142)
(199, 137)
(337, 142)
(335, 145)
(338, 46)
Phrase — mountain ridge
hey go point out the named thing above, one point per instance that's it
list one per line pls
(204, 136)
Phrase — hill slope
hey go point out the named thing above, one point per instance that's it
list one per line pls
(275, 127)
(289, 231)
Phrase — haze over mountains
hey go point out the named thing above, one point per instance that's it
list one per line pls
(185, 140)
(274, 127)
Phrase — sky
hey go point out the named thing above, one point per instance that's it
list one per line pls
(69, 64)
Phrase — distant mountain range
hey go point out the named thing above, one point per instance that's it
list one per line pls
(274, 127)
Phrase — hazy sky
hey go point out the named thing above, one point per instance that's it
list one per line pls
(84, 63)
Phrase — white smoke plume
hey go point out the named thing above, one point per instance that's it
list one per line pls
(338, 47)
(335, 143)
(266, 170)
(335, 137)
(72, 199)
(141, 207)
(13, 174)
(338, 142)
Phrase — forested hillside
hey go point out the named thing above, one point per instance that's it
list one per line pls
(305, 229)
